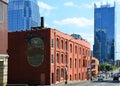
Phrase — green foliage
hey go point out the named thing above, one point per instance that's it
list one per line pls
(106, 67)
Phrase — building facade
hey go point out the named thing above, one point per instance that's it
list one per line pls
(94, 66)
(23, 14)
(118, 63)
(46, 56)
(104, 33)
(3, 42)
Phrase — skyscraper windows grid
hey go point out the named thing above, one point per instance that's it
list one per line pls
(104, 33)
(22, 15)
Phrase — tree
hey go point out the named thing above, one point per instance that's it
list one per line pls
(106, 67)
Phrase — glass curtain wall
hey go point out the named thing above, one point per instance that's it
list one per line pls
(23, 14)
(104, 33)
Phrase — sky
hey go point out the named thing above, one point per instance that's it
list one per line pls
(77, 16)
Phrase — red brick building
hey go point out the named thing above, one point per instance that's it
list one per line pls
(46, 56)
(94, 63)
(3, 42)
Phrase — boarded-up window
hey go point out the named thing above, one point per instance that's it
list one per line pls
(1, 11)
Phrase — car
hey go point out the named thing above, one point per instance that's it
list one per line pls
(116, 77)
(100, 78)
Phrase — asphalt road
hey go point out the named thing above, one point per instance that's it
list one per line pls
(107, 82)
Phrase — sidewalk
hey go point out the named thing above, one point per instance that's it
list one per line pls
(70, 83)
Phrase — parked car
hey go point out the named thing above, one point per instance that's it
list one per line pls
(116, 77)
(100, 78)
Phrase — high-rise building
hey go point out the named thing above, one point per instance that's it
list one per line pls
(23, 14)
(104, 33)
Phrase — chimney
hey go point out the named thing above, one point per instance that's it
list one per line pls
(42, 22)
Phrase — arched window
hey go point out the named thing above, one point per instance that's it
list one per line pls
(62, 72)
(84, 62)
(70, 77)
(79, 75)
(57, 43)
(57, 75)
(66, 59)
(62, 59)
(75, 49)
(70, 63)
(71, 48)
(62, 44)
(66, 46)
(86, 52)
(75, 77)
(83, 51)
(57, 58)
(75, 63)
(80, 50)
(79, 63)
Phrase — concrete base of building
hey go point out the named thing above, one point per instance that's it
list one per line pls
(3, 69)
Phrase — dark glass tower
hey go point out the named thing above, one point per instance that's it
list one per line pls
(23, 14)
(104, 33)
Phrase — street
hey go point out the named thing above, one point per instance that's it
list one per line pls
(96, 83)
(105, 82)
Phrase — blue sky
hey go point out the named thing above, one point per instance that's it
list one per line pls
(76, 16)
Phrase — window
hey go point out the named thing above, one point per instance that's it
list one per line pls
(57, 75)
(83, 51)
(62, 72)
(62, 58)
(75, 63)
(52, 58)
(79, 75)
(57, 43)
(75, 49)
(57, 58)
(52, 43)
(70, 63)
(75, 77)
(84, 63)
(1, 12)
(66, 46)
(79, 63)
(86, 52)
(80, 50)
(66, 58)
(62, 44)
(71, 48)
(70, 77)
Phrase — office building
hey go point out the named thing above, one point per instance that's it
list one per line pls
(3, 43)
(23, 14)
(104, 33)
(46, 56)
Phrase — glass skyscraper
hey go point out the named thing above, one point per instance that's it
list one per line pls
(23, 14)
(104, 33)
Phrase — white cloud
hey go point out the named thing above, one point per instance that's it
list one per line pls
(45, 6)
(78, 22)
(45, 9)
(102, 2)
(88, 37)
(70, 4)
(88, 5)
